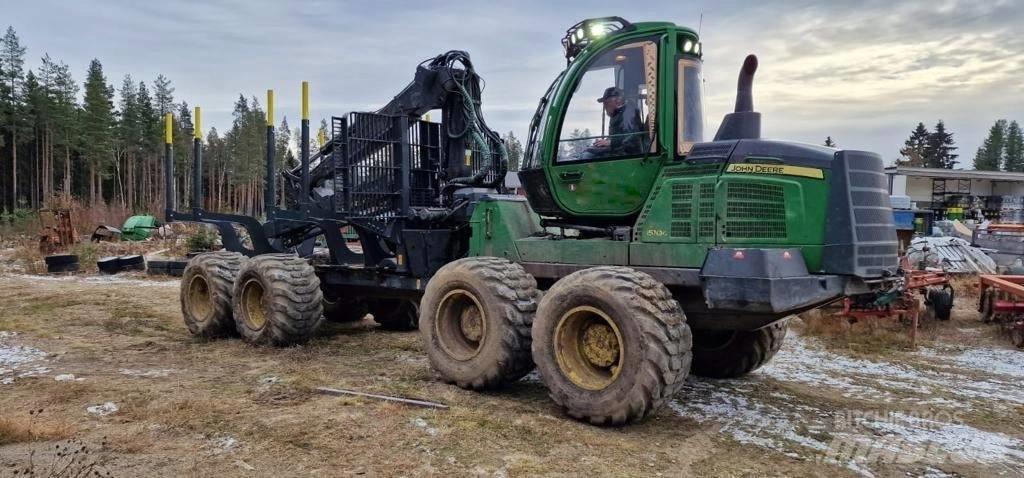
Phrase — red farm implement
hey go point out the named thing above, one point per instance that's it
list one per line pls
(1001, 300)
(902, 301)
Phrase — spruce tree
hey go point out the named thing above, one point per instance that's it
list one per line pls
(515, 151)
(163, 96)
(97, 126)
(990, 154)
(940, 148)
(1013, 157)
(12, 61)
(914, 149)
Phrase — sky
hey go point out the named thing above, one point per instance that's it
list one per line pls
(863, 72)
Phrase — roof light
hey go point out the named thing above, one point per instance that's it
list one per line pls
(688, 46)
(597, 30)
(696, 49)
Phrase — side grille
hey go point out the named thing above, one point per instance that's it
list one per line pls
(755, 211)
(682, 211)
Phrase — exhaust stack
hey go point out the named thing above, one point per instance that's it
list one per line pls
(744, 123)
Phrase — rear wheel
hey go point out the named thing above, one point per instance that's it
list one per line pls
(338, 308)
(611, 345)
(395, 314)
(734, 353)
(277, 300)
(206, 288)
(475, 319)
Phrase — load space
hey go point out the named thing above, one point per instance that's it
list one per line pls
(640, 253)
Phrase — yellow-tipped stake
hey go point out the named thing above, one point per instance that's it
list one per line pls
(305, 100)
(304, 145)
(198, 123)
(270, 107)
(168, 128)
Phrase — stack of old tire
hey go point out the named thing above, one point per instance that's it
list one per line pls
(61, 263)
(115, 264)
(166, 267)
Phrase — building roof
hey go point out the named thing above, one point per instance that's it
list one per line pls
(954, 173)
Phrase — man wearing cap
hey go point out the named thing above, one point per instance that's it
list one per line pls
(624, 124)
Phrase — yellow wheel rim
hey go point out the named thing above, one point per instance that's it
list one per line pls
(253, 312)
(199, 298)
(588, 348)
(460, 325)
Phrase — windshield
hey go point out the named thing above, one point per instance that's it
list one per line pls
(690, 108)
(540, 120)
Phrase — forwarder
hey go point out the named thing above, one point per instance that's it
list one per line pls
(673, 255)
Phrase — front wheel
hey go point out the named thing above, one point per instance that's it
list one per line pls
(611, 345)
(734, 353)
(475, 320)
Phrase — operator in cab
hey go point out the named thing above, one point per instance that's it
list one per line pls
(624, 127)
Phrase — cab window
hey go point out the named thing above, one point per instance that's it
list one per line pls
(690, 105)
(612, 109)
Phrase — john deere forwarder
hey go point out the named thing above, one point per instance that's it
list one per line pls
(640, 252)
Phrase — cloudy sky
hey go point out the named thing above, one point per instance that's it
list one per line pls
(864, 72)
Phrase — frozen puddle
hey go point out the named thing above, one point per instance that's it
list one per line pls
(755, 411)
(18, 361)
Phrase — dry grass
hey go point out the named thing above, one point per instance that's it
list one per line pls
(864, 336)
(32, 427)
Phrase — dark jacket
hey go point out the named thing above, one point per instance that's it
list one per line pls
(623, 127)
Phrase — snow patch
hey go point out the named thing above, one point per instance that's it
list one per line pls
(147, 373)
(108, 408)
(224, 444)
(804, 360)
(754, 411)
(17, 361)
(99, 280)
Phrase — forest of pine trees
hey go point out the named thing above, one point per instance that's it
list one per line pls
(97, 144)
(100, 144)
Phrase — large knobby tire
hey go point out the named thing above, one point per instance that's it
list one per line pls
(277, 300)
(475, 319)
(611, 345)
(401, 315)
(206, 288)
(734, 353)
(940, 302)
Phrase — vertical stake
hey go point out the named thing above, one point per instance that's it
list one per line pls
(170, 203)
(197, 168)
(304, 150)
(269, 194)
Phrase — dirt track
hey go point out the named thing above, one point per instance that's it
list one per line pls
(193, 408)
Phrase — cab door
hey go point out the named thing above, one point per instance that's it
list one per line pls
(607, 155)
